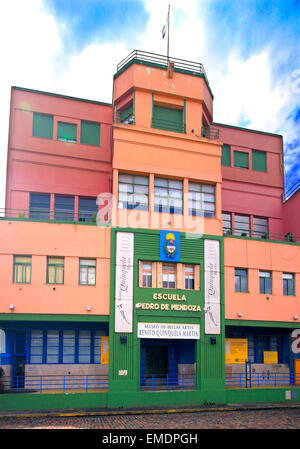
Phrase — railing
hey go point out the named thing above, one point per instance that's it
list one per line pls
(168, 125)
(42, 214)
(167, 382)
(59, 383)
(146, 57)
(288, 237)
(257, 380)
(210, 132)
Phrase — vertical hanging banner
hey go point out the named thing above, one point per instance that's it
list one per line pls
(124, 282)
(212, 287)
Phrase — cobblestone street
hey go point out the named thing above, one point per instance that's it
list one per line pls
(240, 419)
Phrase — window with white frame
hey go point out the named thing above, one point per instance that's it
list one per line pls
(168, 195)
(202, 199)
(87, 271)
(133, 191)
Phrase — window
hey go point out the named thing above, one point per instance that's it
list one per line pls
(260, 227)
(259, 160)
(242, 225)
(227, 226)
(146, 274)
(189, 277)
(201, 199)
(168, 195)
(90, 133)
(169, 119)
(241, 280)
(64, 207)
(87, 209)
(55, 270)
(226, 159)
(126, 115)
(65, 346)
(265, 282)
(52, 351)
(68, 351)
(133, 191)
(288, 284)
(67, 132)
(241, 159)
(169, 276)
(42, 125)
(87, 271)
(39, 205)
(97, 346)
(84, 346)
(36, 346)
(22, 270)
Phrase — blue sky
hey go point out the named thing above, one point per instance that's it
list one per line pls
(250, 51)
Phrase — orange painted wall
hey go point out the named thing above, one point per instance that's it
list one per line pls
(40, 240)
(141, 149)
(266, 256)
(51, 166)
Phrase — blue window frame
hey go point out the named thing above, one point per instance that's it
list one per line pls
(64, 207)
(87, 209)
(63, 346)
(39, 205)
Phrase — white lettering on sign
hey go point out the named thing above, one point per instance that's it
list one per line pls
(212, 287)
(124, 282)
(166, 330)
(296, 341)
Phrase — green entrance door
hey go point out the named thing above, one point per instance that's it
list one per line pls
(156, 358)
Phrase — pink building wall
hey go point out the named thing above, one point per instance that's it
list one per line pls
(251, 192)
(51, 166)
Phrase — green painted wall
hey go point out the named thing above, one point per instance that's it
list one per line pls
(124, 391)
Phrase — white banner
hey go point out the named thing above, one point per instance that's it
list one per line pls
(212, 287)
(124, 282)
(169, 330)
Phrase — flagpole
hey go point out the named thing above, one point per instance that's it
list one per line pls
(168, 32)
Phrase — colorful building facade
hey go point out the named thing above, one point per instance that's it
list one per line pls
(148, 255)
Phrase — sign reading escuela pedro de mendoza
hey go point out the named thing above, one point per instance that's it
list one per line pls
(169, 330)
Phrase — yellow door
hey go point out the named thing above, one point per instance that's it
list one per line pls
(297, 371)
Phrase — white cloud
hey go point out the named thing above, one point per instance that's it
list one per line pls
(32, 56)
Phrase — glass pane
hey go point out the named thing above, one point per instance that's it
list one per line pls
(36, 346)
(83, 275)
(92, 276)
(97, 347)
(69, 346)
(64, 208)
(160, 182)
(84, 347)
(194, 187)
(143, 180)
(22, 259)
(52, 346)
(243, 284)
(237, 284)
(124, 177)
(89, 262)
(39, 205)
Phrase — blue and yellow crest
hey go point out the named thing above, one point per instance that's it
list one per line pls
(170, 246)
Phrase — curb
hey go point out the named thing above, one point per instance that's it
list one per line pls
(69, 414)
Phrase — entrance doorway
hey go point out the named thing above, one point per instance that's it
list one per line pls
(156, 361)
